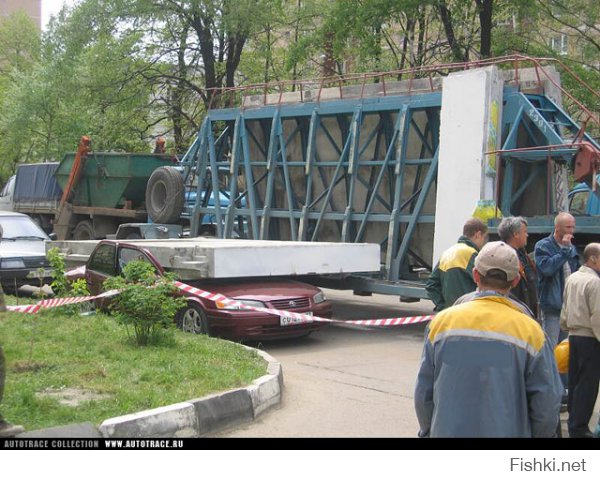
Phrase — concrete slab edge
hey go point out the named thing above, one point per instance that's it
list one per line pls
(202, 416)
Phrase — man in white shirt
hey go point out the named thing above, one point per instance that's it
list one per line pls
(580, 315)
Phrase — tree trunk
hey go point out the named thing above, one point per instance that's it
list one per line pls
(420, 60)
(201, 26)
(177, 94)
(446, 17)
(485, 8)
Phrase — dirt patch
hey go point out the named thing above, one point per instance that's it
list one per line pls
(22, 367)
(73, 397)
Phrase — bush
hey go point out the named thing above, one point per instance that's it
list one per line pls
(60, 284)
(63, 288)
(147, 303)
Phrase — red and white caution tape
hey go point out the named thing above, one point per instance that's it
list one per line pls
(217, 297)
(57, 302)
(23, 308)
(300, 317)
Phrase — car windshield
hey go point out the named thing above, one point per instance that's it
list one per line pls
(21, 228)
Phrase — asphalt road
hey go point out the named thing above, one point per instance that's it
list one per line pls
(347, 381)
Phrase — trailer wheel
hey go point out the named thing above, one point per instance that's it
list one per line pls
(84, 231)
(165, 195)
(192, 319)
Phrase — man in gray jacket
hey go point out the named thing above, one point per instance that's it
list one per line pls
(487, 368)
(580, 315)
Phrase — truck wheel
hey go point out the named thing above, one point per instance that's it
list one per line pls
(192, 319)
(165, 195)
(84, 231)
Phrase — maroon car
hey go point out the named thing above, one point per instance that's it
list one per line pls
(215, 318)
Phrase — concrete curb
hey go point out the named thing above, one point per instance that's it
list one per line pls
(192, 418)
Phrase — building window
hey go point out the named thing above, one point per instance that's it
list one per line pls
(558, 43)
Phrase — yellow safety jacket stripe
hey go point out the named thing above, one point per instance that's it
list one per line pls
(457, 256)
(494, 318)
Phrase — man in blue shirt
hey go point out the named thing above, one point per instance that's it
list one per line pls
(555, 259)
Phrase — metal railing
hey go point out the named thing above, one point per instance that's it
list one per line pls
(234, 96)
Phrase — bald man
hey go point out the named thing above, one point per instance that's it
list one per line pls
(555, 259)
(580, 315)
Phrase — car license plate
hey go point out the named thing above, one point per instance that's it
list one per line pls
(39, 274)
(284, 321)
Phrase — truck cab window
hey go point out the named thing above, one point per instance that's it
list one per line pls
(8, 187)
(103, 260)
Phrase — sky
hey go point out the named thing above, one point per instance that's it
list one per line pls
(52, 7)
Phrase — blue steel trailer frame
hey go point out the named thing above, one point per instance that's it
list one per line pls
(275, 202)
(226, 138)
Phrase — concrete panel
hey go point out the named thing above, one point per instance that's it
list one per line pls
(312, 92)
(466, 103)
(198, 258)
(294, 258)
(422, 241)
(173, 421)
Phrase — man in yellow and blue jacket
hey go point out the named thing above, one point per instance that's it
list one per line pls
(487, 369)
(452, 277)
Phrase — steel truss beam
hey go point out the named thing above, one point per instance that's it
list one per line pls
(336, 171)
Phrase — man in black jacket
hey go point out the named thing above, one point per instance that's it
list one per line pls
(513, 231)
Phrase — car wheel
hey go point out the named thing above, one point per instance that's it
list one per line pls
(192, 319)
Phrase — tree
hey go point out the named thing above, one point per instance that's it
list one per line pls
(19, 53)
(19, 45)
(192, 50)
(81, 83)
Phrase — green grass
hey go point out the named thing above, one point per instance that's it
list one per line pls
(50, 350)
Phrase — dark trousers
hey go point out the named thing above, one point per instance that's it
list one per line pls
(2, 376)
(584, 377)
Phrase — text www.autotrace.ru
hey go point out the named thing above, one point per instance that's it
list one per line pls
(522, 464)
(143, 443)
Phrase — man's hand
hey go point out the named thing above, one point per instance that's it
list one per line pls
(566, 240)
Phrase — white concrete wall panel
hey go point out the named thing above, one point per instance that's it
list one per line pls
(463, 143)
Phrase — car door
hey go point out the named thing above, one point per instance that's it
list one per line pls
(100, 266)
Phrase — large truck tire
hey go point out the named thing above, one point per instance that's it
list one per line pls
(84, 230)
(165, 195)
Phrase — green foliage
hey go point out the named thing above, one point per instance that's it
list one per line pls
(19, 46)
(60, 284)
(79, 288)
(126, 71)
(62, 287)
(146, 303)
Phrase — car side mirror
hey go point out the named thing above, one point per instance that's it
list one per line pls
(53, 236)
